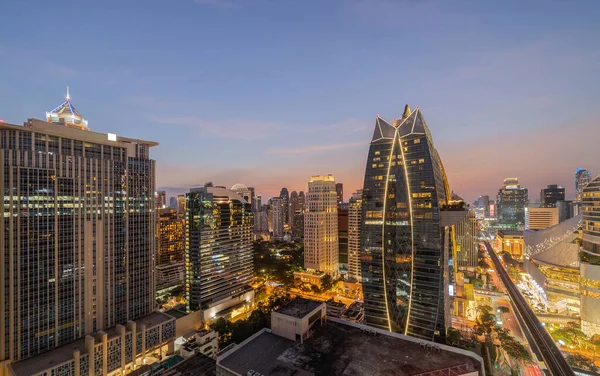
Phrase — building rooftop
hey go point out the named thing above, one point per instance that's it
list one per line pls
(336, 348)
(510, 233)
(197, 365)
(299, 307)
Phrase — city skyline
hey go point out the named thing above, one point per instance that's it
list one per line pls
(296, 104)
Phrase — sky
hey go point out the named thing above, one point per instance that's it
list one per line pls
(268, 93)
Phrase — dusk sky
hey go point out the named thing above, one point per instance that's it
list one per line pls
(267, 93)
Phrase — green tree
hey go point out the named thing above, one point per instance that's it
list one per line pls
(453, 336)
(485, 322)
(326, 282)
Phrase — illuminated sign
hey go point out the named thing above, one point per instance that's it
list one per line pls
(451, 290)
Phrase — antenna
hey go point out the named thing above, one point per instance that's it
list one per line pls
(68, 96)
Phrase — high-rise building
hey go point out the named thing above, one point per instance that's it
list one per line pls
(354, 213)
(484, 202)
(293, 207)
(550, 195)
(160, 199)
(512, 201)
(285, 196)
(181, 205)
(173, 203)
(301, 201)
(590, 258)
(78, 247)
(339, 191)
(582, 178)
(493, 211)
(219, 264)
(243, 191)
(278, 210)
(321, 226)
(541, 218)
(253, 203)
(566, 210)
(259, 202)
(342, 214)
(170, 236)
(402, 256)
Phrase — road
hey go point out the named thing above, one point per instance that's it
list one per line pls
(552, 357)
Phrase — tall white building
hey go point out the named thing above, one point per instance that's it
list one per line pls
(354, 213)
(321, 252)
(278, 209)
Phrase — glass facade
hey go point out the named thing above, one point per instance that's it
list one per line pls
(511, 202)
(218, 261)
(78, 235)
(401, 238)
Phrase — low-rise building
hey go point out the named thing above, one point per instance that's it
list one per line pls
(510, 241)
(312, 277)
(336, 347)
(169, 275)
(205, 342)
(541, 218)
(335, 309)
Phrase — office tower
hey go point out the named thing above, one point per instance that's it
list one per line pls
(278, 214)
(173, 203)
(218, 256)
(285, 196)
(566, 210)
(253, 199)
(293, 207)
(160, 199)
(259, 202)
(181, 205)
(339, 192)
(582, 178)
(298, 230)
(342, 214)
(301, 201)
(512, 201)
(484, 202)
(590, 258)
(321, 226)
(354, 213)
(78, 246)
(170, 237)
(550, 195)
(540, 218)
(402, 255)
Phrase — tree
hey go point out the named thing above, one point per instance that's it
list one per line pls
(570, 336)
(453, 336)
(485, 321)
(581, 362)
(503, 309)
(326, 282)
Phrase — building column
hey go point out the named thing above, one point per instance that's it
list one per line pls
(121, 331)
(143, 330)
(89, 348)
(132, 326)
(103, 336)
(77, 357)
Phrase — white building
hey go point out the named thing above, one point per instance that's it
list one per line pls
(321, 250)
(540, 218)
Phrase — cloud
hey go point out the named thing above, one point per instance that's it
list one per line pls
(314, 148)
(228, 128)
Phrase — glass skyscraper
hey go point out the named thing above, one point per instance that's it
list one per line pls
(401, 238)
(511, 201)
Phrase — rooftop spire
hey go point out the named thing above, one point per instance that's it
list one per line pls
(68, 96)
(406, 112)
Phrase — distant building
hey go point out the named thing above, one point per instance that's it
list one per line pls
(170, 236)
(512, 201)
(484, 202)
(339, 193)
(343, 240)
(278, 210)
(181, 205)
(590, 258)
(173, 203)
(285, 196)
(511, 241)
(298, 228)
(566, 210)
(160, 199)
(293, 207)
(301, 201)
(354, 218)
(582, 178)
(550, 195)
(244, 192)
(541, 218)
(302, 341)
(321, 248)
(219, 264)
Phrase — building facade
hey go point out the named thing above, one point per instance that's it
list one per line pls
(79, 239)
(219, 265)
(285, 196)
(170, 237)
(354, 219)
(278, 213)
(511, 241)
(321, 248)
(550, 195)
(402, 255)
(590, 258)
(343, 240)
(511, 203)
(541, 218)
(582, 178)
(339, 192)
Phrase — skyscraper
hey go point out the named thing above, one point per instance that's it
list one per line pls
(173, 203)
(582, 178)
(293, 207)
(402, 255)
(511, 203)
(170, 251)
(484, 202)
(277, 208)
(321, 226)
(219, 263)
(590, 258)
(550, 195)
(342, 214)
(161, 199)
(285, 196)
(354, 213)
(77, 247)
(301, 201)
(181, 205)
(339, 191)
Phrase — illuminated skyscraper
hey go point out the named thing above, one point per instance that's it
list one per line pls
(590, 258)
(219, 263)
(354, 214)
(511, 203)
(285, 196)
(321, 226)
(160, 199)
(582, 178)
(339, 190)
(402, 256)
(77, 250)
(550, 195)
